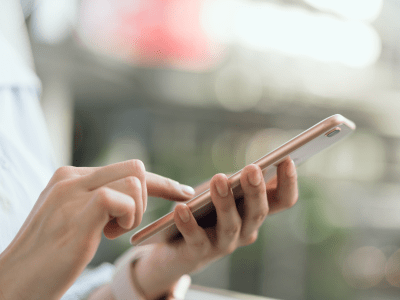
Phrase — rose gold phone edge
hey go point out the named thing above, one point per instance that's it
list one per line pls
(272, 158)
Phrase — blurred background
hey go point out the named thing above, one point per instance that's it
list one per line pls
(196, 87)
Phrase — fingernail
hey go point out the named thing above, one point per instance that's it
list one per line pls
(187, 189)
(184, 214)
(222, 188)
(291, 169)
(184, 188)
(254, 178)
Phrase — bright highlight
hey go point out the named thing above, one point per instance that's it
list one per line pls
(293, 31)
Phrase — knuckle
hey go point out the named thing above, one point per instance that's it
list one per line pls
(230, 250)
(231, 231)
(170, 184)
(137, 166)
(255, 191)
(59, 186)
(60, 189)
(201, 247)
(133, 182)
(251, 239)
(102, 197)
(260, 215)
(102, 193)
(63, 171)
(199, 244)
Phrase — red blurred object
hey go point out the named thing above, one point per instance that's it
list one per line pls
(150, 32)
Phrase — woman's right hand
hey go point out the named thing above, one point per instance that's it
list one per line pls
(63, 231)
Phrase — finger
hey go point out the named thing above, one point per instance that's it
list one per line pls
(158, 186)
(162, 187)
(104, 175)
(107, 204)
(255, 203)
(228, 219)
(285, 194)
(130, 186)
(195, 237)
(114, 172)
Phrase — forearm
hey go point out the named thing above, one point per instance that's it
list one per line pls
(17, 272)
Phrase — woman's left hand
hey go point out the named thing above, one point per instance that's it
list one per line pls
(158, 271)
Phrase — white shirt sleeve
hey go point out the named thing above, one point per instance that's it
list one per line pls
(26, 166)
(88, 281)
(26, 163)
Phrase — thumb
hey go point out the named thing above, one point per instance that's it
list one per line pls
(162, 187)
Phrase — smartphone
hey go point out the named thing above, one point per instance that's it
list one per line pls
(308, 143)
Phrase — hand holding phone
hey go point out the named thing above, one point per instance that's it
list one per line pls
(165, 262)
(299, 149)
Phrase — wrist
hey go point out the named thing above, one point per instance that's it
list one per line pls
(124, 285)
(153, 288)
(144, 274)
(156, 273)
(175, 291)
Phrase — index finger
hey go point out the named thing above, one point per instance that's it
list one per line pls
(163, 187)
(154, 185)
(104, 175)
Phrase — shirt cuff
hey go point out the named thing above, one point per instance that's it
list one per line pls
(89, 281)
(123, 287)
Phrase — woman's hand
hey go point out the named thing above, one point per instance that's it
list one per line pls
(63, 231)
(233, 229)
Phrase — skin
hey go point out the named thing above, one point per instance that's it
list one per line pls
(63, 231)
(159, 271)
